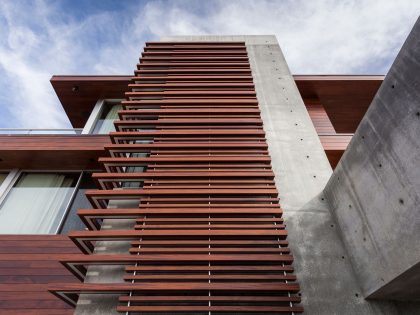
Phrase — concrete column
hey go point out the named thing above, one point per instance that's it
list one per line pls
(374, 192)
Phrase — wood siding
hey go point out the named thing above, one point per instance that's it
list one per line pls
(320, 118)
(52, 152)
(28, 264)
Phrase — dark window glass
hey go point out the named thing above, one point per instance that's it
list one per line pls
(72, 220)
(105, 123)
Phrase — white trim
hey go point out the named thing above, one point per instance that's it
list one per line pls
(8, 183)
(40, 131)
(69, 205)
(93, 118)
(96, 114)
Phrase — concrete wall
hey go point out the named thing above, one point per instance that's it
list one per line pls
(302, 170)
(374, 192)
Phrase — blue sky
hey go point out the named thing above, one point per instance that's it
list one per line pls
(42, 38)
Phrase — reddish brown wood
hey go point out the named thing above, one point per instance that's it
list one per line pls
(334, 146)
(320, 118)
(208, 220)
(43, 152)
(28, 264)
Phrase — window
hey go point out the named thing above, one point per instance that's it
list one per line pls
(72, 221)
(36, 203)
(105, 123)
(3, 177)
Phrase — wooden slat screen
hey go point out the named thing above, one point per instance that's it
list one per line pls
(208, 235)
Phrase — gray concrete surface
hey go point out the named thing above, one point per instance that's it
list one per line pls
(374, 192)
(302, 170)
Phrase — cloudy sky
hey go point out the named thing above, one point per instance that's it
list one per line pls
(42, 38)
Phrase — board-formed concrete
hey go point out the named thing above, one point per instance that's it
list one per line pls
(302, 170)
(375, 190)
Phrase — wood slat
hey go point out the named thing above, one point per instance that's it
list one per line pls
(28, 264)
(226, 298)
(233, 309)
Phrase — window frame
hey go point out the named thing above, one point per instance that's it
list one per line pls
(96, 114)
(14, 176)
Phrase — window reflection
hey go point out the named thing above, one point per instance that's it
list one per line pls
(3, 177)
(72, 221)
(105, 123)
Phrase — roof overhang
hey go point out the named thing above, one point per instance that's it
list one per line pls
(345, 97)
(52, 152)
(79, 94)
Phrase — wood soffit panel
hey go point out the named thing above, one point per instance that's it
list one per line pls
(345, 97)
(42, 152)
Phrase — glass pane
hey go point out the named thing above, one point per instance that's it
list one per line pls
(105, 123)
(72, 221)
(53, 131)
(36, 203)
(11, 131)
(134, 169)
(3, 177)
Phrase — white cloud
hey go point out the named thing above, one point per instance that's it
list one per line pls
(318, 36)
(38, 39)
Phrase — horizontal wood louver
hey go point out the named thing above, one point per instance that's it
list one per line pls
(190, 150)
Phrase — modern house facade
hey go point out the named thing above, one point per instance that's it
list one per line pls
(214, 181)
